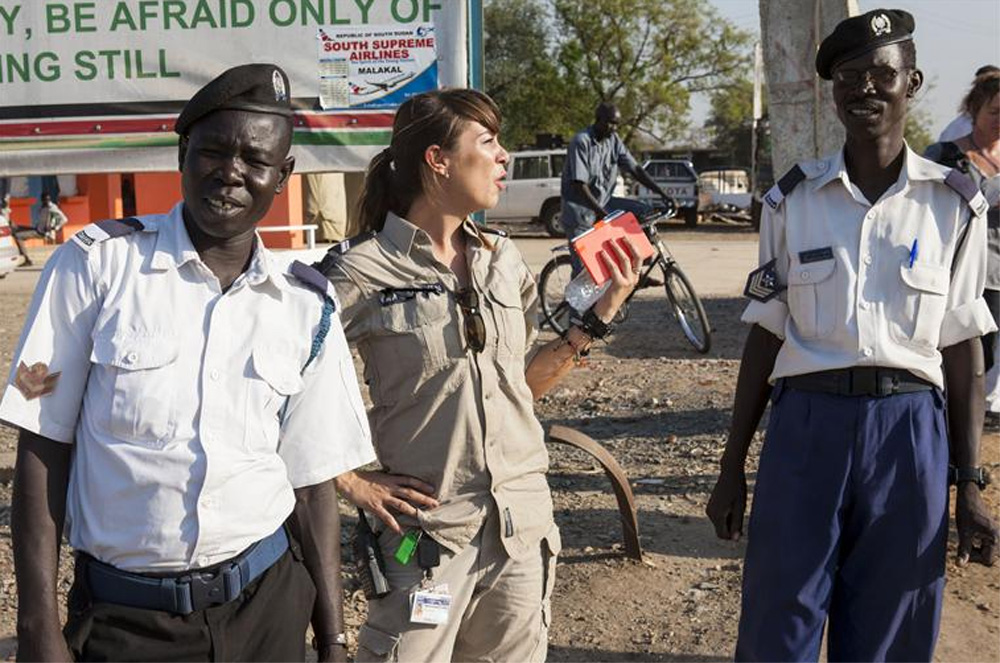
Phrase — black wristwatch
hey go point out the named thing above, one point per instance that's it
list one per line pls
(594, 327)
(977, 475)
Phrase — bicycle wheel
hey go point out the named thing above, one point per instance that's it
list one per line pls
(687, 308)
(552, 283)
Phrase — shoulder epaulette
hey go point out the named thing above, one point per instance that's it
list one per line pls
(492, 231)
(100, 231)
(340, 248)
(312, 278)
(963, 185)
(785, 185)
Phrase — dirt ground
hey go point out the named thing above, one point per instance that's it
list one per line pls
(662, 411)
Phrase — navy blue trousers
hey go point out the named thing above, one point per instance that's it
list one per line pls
(849, 524)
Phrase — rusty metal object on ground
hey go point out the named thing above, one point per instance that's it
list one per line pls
(618, 478)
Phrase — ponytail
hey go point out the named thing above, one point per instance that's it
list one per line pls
(376, 197)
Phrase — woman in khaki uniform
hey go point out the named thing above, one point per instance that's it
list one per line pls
(443, 314)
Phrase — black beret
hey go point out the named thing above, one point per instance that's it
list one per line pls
(260, 88)
(860, 34)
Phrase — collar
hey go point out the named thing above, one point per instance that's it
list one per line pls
(915, 168)
(173, 245)
(401, 233)
(174, 249)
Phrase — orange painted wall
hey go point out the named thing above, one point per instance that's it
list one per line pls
(157, 193)
(100, 197)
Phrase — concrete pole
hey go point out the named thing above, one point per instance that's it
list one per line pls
(803, 120)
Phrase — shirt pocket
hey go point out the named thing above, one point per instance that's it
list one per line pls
(142, 368)
(415, 336)
(504, 296)
(813, 300)
(919, 306)
(275, 378)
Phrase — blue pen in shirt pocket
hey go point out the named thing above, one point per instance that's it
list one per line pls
(913, 253)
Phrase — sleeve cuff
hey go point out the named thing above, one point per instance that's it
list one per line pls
(309, 474)
(17, 412)
(771, 315)
(967, 321)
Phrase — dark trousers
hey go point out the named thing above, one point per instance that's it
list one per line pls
(267, 622)
(849, 524)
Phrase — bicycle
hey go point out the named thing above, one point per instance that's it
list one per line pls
(685, 306)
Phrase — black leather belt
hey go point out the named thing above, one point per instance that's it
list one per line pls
(860, 381)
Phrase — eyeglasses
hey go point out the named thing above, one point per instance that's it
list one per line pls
(881, 76)
(475, 327)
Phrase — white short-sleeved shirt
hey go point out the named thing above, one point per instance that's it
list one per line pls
(853, 298)
(171, 391)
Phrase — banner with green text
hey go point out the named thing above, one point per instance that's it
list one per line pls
(95, 85)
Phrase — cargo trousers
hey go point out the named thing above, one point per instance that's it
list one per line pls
(500, 609)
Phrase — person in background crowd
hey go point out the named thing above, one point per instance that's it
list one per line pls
(591, 172)
(962, 124)
(867, 310)
(978, 155)
(47, 218)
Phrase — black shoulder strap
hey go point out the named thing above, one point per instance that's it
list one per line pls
(963, 185)
(785, 186)
(340, 248)
(99, 231)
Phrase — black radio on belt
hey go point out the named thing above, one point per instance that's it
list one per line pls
(368, 560)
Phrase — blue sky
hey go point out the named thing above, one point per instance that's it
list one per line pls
(953, 38)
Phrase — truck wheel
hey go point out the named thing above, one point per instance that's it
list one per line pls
(550, 216)
(690, 217)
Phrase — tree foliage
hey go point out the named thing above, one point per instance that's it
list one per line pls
(917, 131)
(521, 72)
(560, 58)
(730, 120)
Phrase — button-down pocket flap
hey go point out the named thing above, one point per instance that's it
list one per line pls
(277, 370)
(925, 277)
(423, 309)
(133, 353)
(504, 292)
(377, 642)
(811, 273)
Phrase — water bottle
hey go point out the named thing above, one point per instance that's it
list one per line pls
(582, 292)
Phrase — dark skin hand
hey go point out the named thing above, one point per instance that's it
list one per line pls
(41, 478)
(964, 381)
(727, 504)
(315, 523)
(583, 189)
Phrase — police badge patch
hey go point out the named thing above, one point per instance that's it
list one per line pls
(881, 25)
(762, 283)
(280, 93)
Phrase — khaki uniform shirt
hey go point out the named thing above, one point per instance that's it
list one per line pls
(853, 296)
(459, 420)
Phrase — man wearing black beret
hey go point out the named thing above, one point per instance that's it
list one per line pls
(867, 310)
(185, 403)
